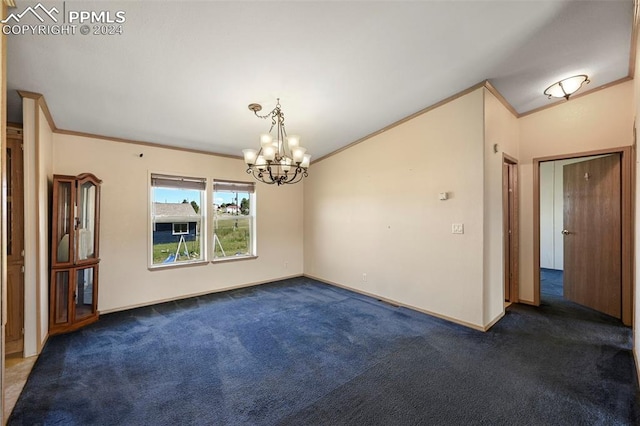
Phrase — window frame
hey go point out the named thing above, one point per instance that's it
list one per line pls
(227, 185)
(177, 181)
(173, 228)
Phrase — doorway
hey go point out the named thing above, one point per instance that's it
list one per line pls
(14, 330)
(582, 224)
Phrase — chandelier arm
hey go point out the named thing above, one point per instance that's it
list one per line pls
(258, 175)
(292, 178)
(298, 174)
(269, 170)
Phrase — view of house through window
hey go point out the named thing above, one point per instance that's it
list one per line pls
(234, 218)
(176, 219)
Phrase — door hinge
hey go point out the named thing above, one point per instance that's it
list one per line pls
(22, 253)
(22, 331)
(22, 269)
(22, 146)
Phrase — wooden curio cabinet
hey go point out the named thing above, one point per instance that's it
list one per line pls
(73, 298)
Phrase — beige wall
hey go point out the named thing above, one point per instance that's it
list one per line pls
(45, 173)
(501, 129)
(603, 119)
(30, 227)
(37, 142)
(373, 209)
(124, 279)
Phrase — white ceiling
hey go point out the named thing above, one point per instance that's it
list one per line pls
(182, 73)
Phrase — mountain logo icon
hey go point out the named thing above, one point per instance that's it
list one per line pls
(38, 11)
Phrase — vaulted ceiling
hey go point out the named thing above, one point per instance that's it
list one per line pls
(182, 73)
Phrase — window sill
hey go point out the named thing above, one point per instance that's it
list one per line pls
(233, 259)
(163, 266)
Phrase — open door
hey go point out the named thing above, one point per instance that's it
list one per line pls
(510, 231)
(14, 337)
(593, 234)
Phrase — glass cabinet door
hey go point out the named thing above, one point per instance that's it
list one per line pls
(85, 293)
(63, 228)
(60, 295)
(87, 218)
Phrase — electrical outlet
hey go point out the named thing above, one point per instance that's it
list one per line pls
(457, 228)
(364, 277)
(286, 265)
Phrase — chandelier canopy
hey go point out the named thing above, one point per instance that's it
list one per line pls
(280, 159)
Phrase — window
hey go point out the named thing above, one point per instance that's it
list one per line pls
(233, 219)
(180, 228)
(177, 212)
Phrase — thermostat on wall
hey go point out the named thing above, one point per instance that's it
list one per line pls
(443, 196)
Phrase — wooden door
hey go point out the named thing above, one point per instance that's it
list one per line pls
(510, 228)
(592, 234)
(15, 247)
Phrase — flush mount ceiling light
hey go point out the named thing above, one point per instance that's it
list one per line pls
(567, 87)
(280, 159)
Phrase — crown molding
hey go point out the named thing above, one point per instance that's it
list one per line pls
(40, 100)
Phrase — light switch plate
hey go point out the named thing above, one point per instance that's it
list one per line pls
(457, 228)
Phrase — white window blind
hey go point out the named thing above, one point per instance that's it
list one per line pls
(232, 186)
(181, 182)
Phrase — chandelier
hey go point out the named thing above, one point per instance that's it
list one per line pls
(567, 87)
(280, 159)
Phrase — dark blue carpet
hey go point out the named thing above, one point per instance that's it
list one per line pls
(299, 352)
(551, 282)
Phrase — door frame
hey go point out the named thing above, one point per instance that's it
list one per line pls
(511, 246)
(627, 207)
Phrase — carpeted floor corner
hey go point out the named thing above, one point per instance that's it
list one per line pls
(299, 352)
